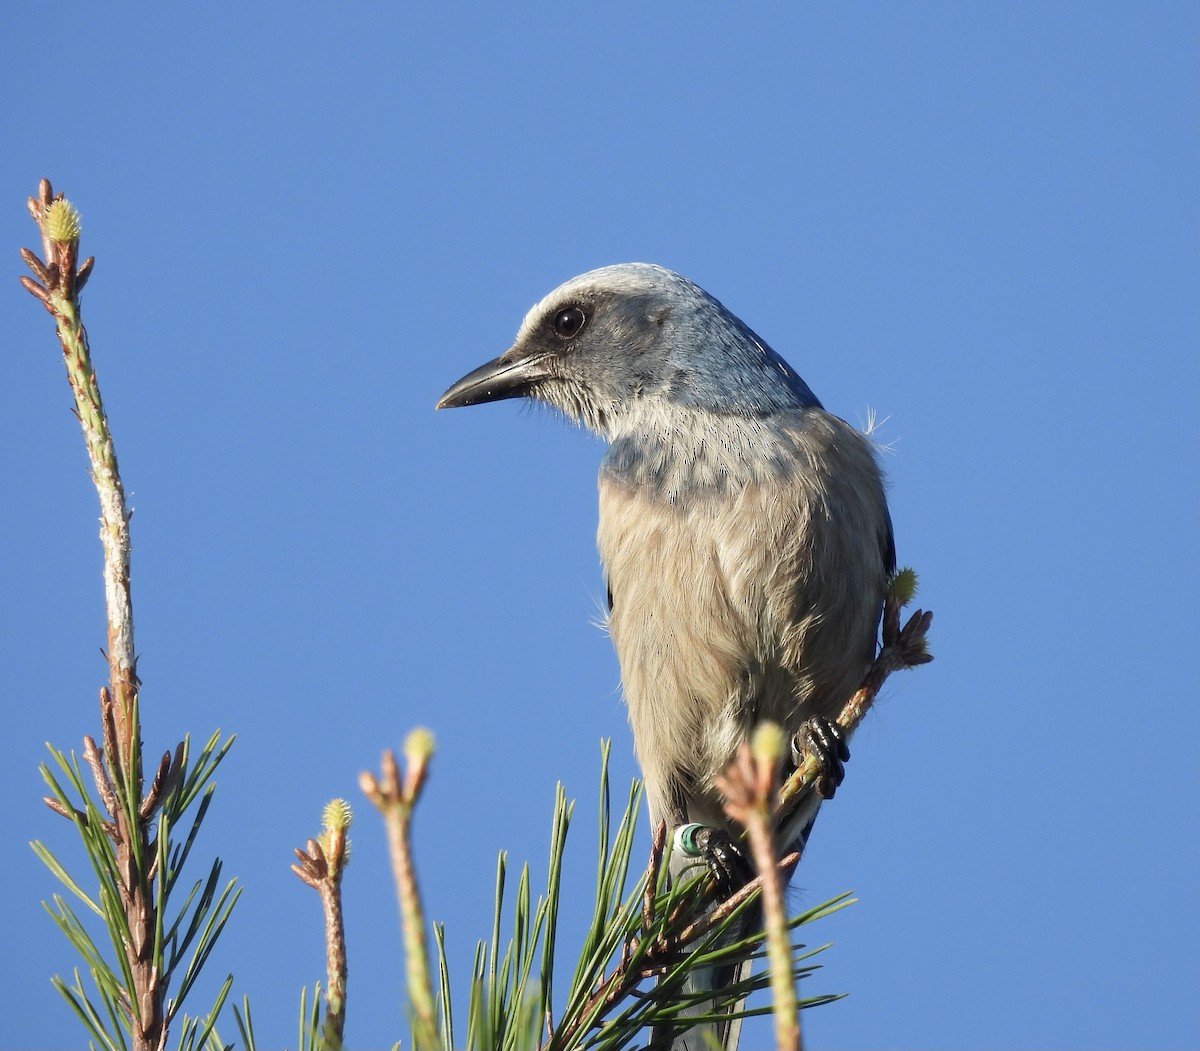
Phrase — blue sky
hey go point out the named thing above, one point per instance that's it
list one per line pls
(978, 220)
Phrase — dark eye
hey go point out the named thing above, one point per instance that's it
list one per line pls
(568, 322)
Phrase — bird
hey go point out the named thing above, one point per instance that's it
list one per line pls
(744, 534)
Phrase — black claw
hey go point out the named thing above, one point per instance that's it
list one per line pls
(729, 867)
(822, 739)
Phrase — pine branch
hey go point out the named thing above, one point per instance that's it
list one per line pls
(127, 837)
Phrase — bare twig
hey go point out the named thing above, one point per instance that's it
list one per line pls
(902, 648)
(658, 842)
(716, 915)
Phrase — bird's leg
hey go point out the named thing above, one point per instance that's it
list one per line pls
(822, 739)
(722, 853)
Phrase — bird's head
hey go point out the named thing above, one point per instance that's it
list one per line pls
(618, 341)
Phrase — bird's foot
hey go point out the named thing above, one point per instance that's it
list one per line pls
(822, 739)
(727, 863)
(721, 852)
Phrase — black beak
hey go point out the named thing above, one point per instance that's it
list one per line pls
(504, 377)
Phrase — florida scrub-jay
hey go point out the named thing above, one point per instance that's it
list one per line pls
(743, 529)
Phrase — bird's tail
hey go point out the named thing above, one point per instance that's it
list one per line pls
(724, 1033)
(705, 988)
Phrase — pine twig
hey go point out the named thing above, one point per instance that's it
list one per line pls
(902, 648)
(395, 800)
(748, 786)
(56, 284)
(129, 840)
(321, 865)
